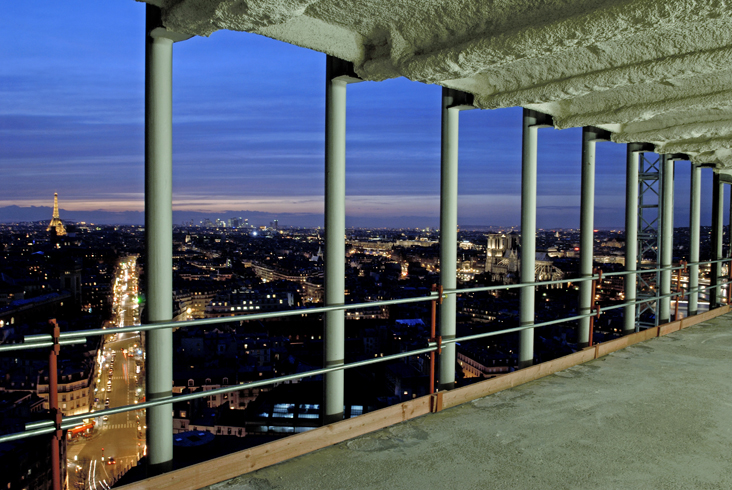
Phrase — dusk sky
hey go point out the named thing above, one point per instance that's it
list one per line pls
(248, 116)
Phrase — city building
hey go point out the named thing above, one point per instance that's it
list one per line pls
(502, 255)
(26, 463)
(244, 300)
(75, 388)
(503, 260)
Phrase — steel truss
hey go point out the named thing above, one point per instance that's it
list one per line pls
(650, 175)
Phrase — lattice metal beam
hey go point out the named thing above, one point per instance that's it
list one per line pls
(650, 173)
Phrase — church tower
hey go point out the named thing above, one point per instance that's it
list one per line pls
(56, 223)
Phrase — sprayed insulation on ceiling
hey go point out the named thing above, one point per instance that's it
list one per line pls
(649, 71)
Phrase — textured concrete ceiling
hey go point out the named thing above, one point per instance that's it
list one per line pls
(649, 71)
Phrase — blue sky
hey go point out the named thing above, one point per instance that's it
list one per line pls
(248, 130)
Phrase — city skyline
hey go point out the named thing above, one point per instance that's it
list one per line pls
(249, 132)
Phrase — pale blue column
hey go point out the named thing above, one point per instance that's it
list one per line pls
(339, 74)
(590, 136)
(532, 121)
(631, 236)
(453, 101)
(159, 235)
(694, 238)
(717, 224)
(666, 238)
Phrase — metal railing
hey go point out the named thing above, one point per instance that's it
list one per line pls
(45, 427)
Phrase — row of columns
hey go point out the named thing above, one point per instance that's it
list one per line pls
(158, 224)
(665, 235)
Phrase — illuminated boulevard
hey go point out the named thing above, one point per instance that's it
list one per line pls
(117, 441)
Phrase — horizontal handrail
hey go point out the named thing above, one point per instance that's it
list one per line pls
(25, 434)
(324, 309)
(252, 317)
(516, 329)
(502, 287)
(79, 336)
(38, 345)
(75, 419)
(661, 269)
(662, 296)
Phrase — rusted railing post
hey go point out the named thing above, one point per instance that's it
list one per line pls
(53, 406)
(433, 336)
(729, 279)
(594, 307)
(433, 331)
(678, 290)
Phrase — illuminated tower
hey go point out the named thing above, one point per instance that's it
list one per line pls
(56, 223)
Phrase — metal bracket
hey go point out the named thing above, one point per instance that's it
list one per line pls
(677, 156)
(599, 133)
(55, 337)
(56, 414)
(641, 148)
(437, 340)
(162, 32)
(725, 178)
(461, 101)
(541, 120)
(341, 70)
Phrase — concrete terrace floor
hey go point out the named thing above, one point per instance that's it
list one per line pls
(656, 415)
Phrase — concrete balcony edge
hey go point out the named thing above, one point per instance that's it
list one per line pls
(243, 462)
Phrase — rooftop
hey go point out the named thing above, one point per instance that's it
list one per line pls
(653, 415)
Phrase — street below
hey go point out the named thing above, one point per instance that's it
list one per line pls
(117, 441)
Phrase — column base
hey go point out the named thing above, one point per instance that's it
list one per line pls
(582, 345)
(446, 386)
(331, 418)
(692, 313)
(159, 468)
(525, 364)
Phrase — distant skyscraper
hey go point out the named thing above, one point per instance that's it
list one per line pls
(56, 223)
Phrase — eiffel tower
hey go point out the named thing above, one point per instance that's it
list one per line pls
(56, 223)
